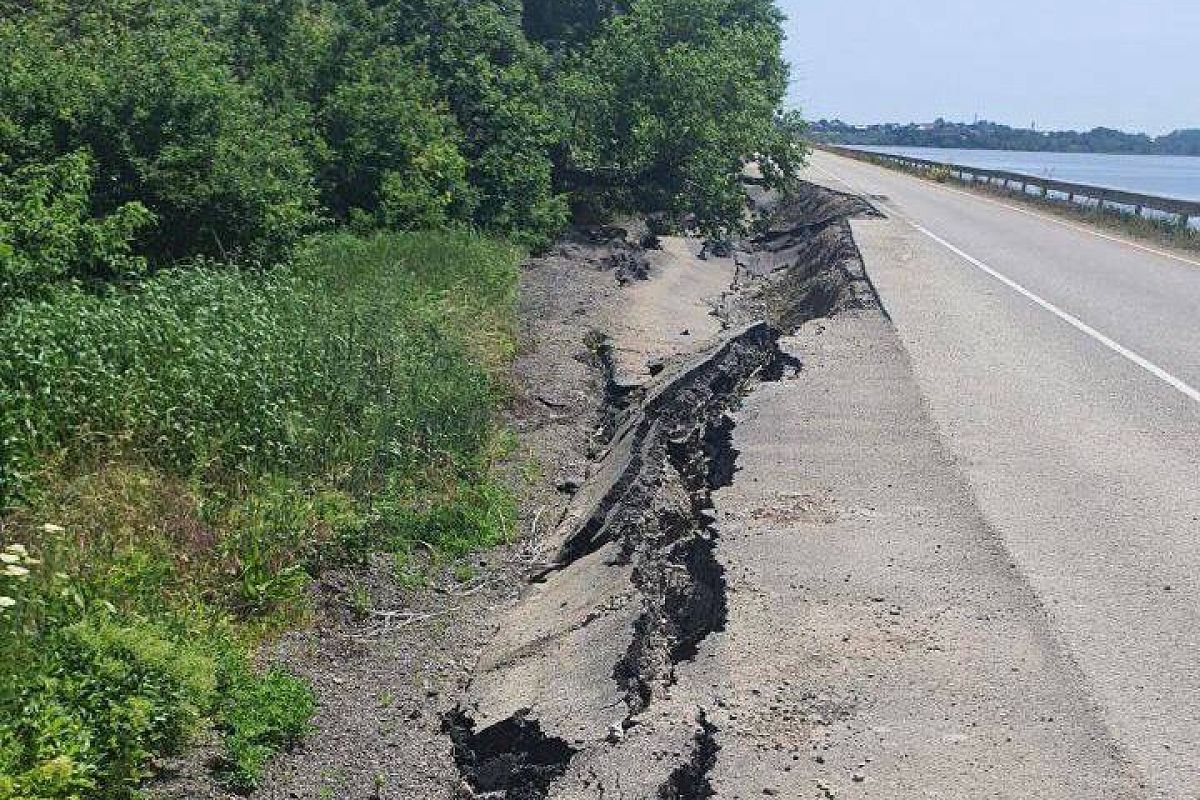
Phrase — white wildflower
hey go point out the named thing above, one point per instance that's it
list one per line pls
(50, 527)
(7, 602)
(10, 558)
(18, 549)
(13, 571)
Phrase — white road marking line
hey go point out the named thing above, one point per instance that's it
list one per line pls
(1081, 228)
(1070, 319)
(1065, 316)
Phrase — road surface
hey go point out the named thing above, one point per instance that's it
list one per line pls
(1060, 366)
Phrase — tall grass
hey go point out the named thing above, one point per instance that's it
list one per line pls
(181, 458)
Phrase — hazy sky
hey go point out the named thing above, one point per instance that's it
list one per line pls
(1129, 64)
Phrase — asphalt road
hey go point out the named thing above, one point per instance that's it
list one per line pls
(1061, 370)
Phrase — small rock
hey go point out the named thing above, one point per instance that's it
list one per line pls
(858, 777)
(569, 485)
(615, 733)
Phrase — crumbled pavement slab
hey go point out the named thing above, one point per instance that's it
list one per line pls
(593, 650)
(824, 612)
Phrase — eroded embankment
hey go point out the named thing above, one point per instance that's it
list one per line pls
(575, 695)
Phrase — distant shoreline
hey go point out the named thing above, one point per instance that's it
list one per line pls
(973, 149)
(1167, 176)
(992, 136)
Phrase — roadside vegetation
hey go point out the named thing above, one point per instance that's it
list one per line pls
(258, 264)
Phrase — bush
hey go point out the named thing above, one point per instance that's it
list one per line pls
(498, 85)
(49, 234)
(104, 698)
(141, 87)
(670, 101)
(394, 153)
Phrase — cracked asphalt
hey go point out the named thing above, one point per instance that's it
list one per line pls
(953, 555)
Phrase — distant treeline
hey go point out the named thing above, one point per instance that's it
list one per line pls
(993, 136)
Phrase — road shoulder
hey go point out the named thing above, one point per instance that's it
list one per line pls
(880, 641)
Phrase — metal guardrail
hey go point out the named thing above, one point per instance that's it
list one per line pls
(1096, 196)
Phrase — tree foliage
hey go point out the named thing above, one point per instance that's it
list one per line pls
(670, 100)
(231, 129)
(568, 22)
(139, 87)
(394, 152)
(48, 232)
(498, 85)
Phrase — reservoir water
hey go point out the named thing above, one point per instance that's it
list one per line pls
(1162, 176)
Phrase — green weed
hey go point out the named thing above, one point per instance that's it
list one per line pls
(260, 718)
(204, 445)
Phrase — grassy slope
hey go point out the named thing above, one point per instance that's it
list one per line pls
(181, 459)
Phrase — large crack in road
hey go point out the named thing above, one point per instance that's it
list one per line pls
(636, 586)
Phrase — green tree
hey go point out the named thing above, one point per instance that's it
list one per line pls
(139, 85)
(494, 81)
(48, 233)
(567, 22)
(670, 101)
(393, 151)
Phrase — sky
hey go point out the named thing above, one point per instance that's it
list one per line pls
(1058, 64)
